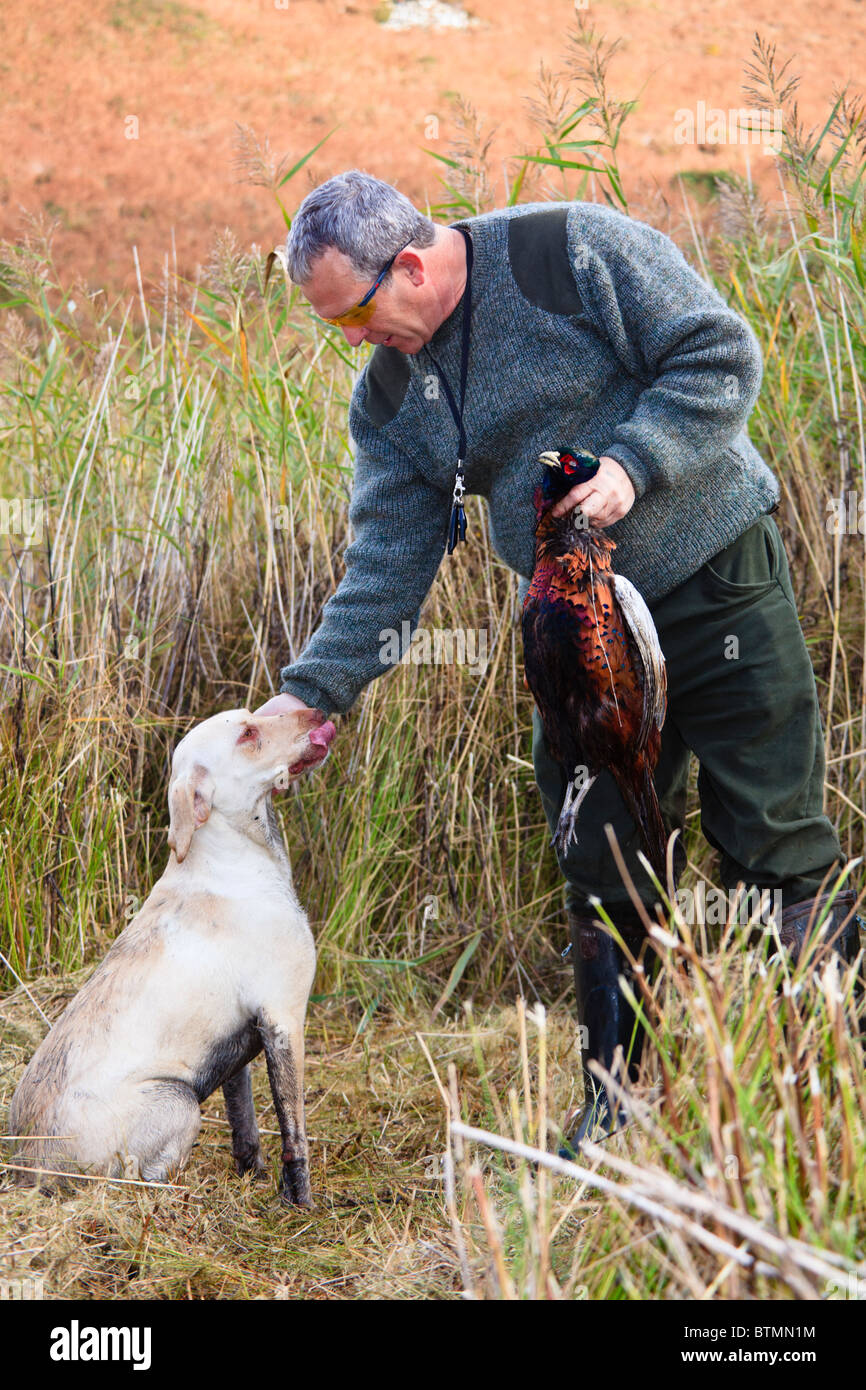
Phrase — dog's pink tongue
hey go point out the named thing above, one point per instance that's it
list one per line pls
(323, 735)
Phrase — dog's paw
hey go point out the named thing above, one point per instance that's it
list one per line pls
(251, 1161)
(295, 1186)
(303, 1200)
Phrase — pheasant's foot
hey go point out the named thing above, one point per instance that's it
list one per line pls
(557, 836)
(565, 831)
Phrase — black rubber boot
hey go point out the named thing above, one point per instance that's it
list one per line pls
(840, 931)
(605, 1018)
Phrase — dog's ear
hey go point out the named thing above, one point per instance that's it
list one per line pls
(190, 797)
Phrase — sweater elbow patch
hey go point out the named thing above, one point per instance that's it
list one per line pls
(539, 260)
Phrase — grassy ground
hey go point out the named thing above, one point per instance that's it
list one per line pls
(377, 1133)
(741, 1176)
(189, 453)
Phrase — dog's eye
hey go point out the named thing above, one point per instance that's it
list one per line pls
(250, 734)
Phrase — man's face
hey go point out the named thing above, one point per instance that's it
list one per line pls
(404, 305)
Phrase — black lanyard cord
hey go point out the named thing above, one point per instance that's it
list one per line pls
(457, 524)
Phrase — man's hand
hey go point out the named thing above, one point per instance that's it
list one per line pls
(604, 499)
(281, 704)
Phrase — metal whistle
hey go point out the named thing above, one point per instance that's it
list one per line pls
(457, 527)
(457, 523)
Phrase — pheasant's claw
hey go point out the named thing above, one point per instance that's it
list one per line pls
(559, 832)
(566, 830)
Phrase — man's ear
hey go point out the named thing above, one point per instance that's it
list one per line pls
(190, 798)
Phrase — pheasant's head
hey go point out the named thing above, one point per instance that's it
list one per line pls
(565, 469)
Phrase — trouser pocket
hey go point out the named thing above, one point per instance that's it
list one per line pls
(749, 566)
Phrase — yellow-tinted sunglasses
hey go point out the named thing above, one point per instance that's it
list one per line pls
(364, 310)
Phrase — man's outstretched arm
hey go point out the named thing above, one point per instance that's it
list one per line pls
(400, 527)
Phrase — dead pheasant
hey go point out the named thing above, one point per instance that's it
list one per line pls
(592, 660)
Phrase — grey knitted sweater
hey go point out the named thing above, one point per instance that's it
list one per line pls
(588, 328)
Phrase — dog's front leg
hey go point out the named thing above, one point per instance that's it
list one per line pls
(284, 1051)
(238, 1095)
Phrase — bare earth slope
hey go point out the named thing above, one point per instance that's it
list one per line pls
(72, 75)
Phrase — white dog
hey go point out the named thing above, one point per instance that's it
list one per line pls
(217, 965)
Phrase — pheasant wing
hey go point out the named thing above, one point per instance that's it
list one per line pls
(642, 630)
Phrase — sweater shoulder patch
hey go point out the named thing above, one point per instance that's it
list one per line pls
(538, 256)
(387, 380)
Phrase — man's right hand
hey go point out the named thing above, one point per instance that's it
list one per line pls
(281, 704)
(604, 499)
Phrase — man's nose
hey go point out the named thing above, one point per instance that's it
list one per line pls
(354, 336)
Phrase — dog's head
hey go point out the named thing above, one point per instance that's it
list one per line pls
(234, 760)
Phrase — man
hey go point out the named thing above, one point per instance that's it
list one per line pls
(587, 329)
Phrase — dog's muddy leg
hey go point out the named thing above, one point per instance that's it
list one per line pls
(238, 1095)
(284, 1050)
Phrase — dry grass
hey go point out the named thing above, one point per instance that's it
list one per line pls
(377, 1133)
(740, 1176)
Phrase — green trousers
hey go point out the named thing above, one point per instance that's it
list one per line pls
(742, 698)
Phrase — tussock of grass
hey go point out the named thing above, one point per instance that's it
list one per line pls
(738, 1176)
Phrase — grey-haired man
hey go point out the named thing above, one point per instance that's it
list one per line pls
(588, 328)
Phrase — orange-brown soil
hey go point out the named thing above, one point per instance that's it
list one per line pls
(72, 76)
